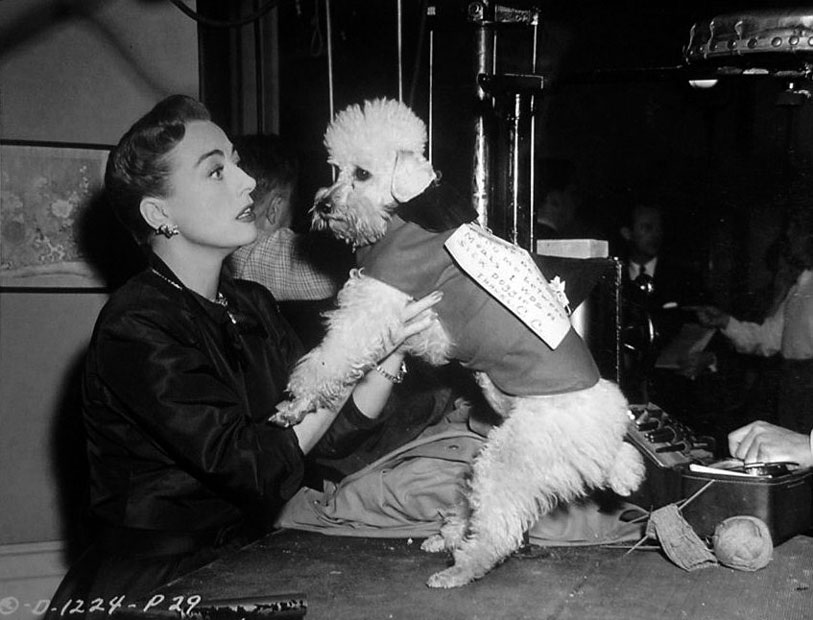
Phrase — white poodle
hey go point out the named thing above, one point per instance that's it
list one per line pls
(563, 428)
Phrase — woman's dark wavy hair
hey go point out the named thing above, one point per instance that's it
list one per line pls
(138, 166)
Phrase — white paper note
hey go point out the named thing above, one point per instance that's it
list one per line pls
(511, 276)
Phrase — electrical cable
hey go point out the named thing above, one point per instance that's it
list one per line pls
(207, 21)
(416, 67)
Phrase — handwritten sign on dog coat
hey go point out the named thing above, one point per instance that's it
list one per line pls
(511, 276)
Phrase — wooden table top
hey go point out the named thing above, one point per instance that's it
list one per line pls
(358, 578)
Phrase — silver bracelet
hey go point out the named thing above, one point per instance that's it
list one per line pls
(397, 378)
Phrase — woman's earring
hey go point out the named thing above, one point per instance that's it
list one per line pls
(166, 230)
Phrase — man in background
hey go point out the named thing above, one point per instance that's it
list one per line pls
(656, 289)
(303, 271)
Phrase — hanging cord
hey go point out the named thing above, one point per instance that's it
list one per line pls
(215, 23)
(317, 38)
(416, 67)
(329, 22)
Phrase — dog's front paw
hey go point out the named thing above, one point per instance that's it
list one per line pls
(434, 544)
(290, 412)
(452, 577)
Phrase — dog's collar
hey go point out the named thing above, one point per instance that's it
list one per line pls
(439, 208)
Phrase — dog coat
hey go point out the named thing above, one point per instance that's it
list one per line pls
(485, 335)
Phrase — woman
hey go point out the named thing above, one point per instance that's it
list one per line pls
(184, 368)
(788, 331)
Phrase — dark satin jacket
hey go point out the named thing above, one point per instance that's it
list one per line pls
(175, 397)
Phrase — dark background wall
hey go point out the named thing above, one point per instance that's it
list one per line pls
(70, 72)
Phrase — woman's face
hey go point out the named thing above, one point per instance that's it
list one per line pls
(209, 194)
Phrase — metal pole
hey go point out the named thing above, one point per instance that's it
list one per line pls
(519, 225)
(513, 171)
(329, 27)
(431, 86)
(532, 196)
(481, 14)
(400, 51)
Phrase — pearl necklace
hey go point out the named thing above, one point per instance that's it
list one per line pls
(219, 299)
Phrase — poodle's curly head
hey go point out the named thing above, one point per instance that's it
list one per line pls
(377, 150)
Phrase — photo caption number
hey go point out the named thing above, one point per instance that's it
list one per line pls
(115, 603)
(178, 604)
(41, 607)
(181, 604)
(155, 601)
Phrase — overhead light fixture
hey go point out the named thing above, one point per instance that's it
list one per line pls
(702, 84)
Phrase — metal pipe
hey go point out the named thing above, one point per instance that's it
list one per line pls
(400, 34)
(532, 193)
(514, 166)
(329, 27)
(481, 14)
(431, 87)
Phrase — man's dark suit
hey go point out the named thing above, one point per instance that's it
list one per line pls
(673, 286)
(647, 326)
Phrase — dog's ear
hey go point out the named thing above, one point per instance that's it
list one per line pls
(412, 175)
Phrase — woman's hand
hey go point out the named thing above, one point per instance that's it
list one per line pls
(415, 317)
(709, 316)
(695, 364)
(761, 442)
(372, 392)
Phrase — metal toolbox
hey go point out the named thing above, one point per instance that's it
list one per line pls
(784, 502)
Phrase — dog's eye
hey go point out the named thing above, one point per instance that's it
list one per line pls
(361, 174)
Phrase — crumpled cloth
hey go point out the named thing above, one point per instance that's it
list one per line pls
(405, 493)
(679, 541)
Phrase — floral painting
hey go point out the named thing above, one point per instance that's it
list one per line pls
(44, 191)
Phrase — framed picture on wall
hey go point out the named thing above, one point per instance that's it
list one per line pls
(48, 193)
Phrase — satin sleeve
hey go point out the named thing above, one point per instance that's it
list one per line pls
(176, 385)
(350, 428)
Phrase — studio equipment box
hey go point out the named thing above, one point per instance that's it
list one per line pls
(680, 464)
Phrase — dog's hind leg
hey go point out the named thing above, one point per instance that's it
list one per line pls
(368, 313)
(503, 505)
(550, 450)
(456, 521)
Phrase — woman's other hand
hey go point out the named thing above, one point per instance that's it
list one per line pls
(695, 364)
(709, 316)
(761, 442)
(416, 316)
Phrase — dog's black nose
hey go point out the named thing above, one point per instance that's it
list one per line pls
(323, 205)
